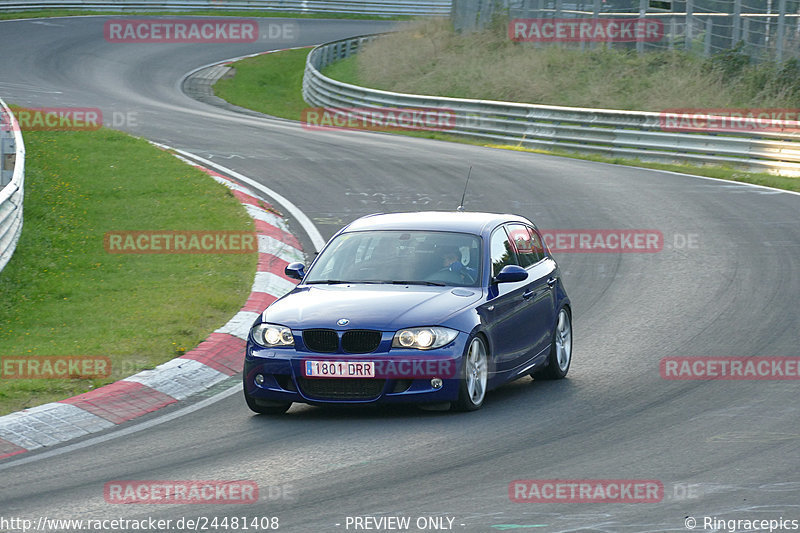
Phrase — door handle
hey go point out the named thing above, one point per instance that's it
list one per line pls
(551, 282)
(527, 295)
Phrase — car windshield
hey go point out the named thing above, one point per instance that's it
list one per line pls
(433, 258)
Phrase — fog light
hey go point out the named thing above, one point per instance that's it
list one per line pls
(436, 383)
(259, 379)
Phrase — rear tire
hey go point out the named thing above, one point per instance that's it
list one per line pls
(476, 371)
(560, 351)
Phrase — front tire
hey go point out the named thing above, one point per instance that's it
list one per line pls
(560, 351)
(476, 371)
(265, 407)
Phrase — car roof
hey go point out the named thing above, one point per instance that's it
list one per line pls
(459, 221)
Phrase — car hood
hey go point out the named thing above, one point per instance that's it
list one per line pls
(382, 307)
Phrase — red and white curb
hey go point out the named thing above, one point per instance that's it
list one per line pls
(217, 358)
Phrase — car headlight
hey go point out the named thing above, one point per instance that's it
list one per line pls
(426, 338)
(270, 335)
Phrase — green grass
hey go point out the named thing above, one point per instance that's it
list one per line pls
(205, 13)
(428, 57)
(269, 83)
(63, 294)
(345, 70)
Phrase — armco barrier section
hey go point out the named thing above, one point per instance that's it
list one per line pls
(359, 7)
(606, 132)
(12, 180)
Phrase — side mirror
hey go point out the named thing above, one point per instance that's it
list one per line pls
(295, 270)
(511, 274)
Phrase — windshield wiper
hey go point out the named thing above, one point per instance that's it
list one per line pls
(336, 282)
(419, 282)
(373, 281)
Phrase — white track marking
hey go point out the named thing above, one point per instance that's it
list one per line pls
(308, 226)
(125, 431)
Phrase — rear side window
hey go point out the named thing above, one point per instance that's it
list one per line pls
(502, 251)
(529, 249)
(538, 243)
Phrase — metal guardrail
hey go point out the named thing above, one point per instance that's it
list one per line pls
(12, 179)
(611, 133)
(362, 7)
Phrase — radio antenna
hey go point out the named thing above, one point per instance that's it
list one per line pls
(460, 208)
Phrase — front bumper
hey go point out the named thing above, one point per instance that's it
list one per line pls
(401, 376)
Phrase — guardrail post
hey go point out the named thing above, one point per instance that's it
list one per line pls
(2, 154)
(8, 153)
(642, 11)
(707, 40)
(540, 13)
(781, 33)
(737, 23)
(746, 32)
(8, 149)
(464, 14)
(673, 31)
(595, 15)
(688, 31)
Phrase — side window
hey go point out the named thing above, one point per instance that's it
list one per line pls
(528, 249)
(537, 244)
(502, 251)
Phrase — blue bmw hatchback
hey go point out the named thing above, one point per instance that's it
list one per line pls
(427, 308)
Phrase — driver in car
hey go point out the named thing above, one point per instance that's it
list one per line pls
(451, 262)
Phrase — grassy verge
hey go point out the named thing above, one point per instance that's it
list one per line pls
(63, 294)
(430, 58)
(269, 83)
(345, 70)
(200, 13)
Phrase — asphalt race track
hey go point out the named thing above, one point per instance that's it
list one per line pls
(723, 449)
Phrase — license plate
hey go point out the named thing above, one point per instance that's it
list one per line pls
(339, 369)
